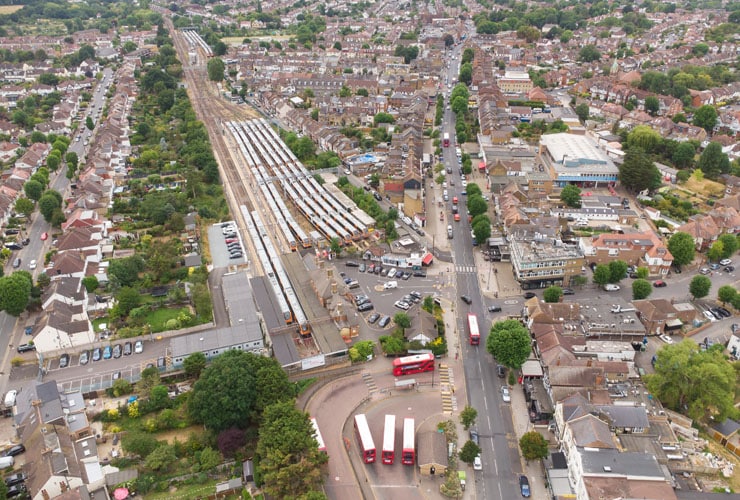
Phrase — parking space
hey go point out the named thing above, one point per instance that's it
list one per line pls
(227, 247)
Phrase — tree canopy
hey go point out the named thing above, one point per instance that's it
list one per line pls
(638, 171)
(571, 196)
(235, 388)
(699, 286)
(681, 246)
(641, 289)
(552, 294)
(509, 342)
(713, 161)
(701, 384)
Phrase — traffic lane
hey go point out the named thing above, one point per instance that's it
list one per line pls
(332, 406)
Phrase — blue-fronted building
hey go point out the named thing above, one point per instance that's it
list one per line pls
(578, 160)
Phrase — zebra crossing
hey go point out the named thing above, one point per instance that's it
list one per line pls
(447, 385)
(466, 270)
(370, 383)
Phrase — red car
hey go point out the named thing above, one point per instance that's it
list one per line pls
(44, 236)
(660, 284)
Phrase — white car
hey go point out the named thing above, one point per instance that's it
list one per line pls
(477, 463)
(665, 338)
(505, 394)
(609, 287)
(392, 273)
(139, 347)
(709, 315)
(402, 304)
(725, 262)
(390, 284)
(32, 264)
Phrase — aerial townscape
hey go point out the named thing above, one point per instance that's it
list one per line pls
(463, 249)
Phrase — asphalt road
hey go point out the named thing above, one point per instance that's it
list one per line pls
(501, 464)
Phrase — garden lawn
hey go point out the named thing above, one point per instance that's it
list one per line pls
(159, 317)
(185, 492)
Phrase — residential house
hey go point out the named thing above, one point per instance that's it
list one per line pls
(643, 249)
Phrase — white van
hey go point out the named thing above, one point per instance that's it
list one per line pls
(390, 285)
(10, 399)
(609, 287)
(6, 462)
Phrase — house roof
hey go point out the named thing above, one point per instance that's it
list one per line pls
(591, 432)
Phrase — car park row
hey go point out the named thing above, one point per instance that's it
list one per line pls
(111, 351)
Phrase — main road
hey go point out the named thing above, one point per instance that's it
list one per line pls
(500, 456)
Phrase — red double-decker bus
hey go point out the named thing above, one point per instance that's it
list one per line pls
(389, 440)
(317, 436)
(473, 328)
(408, 453)
(364, 439)
(413, 364)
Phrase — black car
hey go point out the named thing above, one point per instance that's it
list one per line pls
(367, 306)
(352, 263)
(399, 274)
(235, 256)
(529, 295)
(494, 309)
(373, 318)
(466, 299)
(378, 269)
(14, 450)
(524, 486)
(14, 491)
(160, 362)
(420, 274)
(500, 371)
(64, 361)
(15, 479)
(384, 321)
(716, 313)
(724, 312)
(474, 436)
(405, 276)
(26, 348)
(729, 269)
(127, 349)
(568, 291)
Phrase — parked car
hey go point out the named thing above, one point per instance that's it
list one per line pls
(501, 371)
(14, 450)
(127, 350)
(420, 274)
(107, 352)
(725, 262)
(367, 306)
(84, 357)
(373, 318)
(568, 291)
(709, 315)
(416, 295)
(529, 295)
(117, 351)
(524, 486)
(659, 284)
(32, 264)
(15, 479)
(724, 312)
(505, 394)
(729, 269)
(44, 236)
(64, 361)
(494, 309)
(717, 313)
(392, 273)
(384, 321)
(665, 338)
(402, 305)
(15, 490)
(704, 270)
(466, 299)
(477, 463)
(362, 267)
(611, 287)
(405, 276)
(474, 436)
(161, 362)
(139, 347)
(399, 274)
(97, 354)
(352, 263)
(26, 348)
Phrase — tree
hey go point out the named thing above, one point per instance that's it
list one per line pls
(644, 137)
(681, 245)
(230, 440)
(701, 384)
(683, 155)
(482, 231)
(641, 289)
(705, 117)
(713, 161)
(533, 446)
(589, 53)
(726, 294)
(402, 320)
(729, 245)
(715, 251)
(148, 381)
(89, 123)
(699, 286)
(469, 451)
(602, 275)
(643, 273)
(161, 458)
(477, 205)
(552, 294)
(33, 189)
(288, 453)
(48, 203)
(139, 443)
(216, 69)
(583, 112)
(127, 298)
(509, 343)
(617, 271)
(571, 196)
(194, 364)
(90, 283)
(24, 206)
(638, 172)
(468, 416)
(15, 291)
(652, 105)
(253, 382)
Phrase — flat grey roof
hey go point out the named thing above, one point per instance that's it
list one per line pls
(267, 303)
(635, 465)
(239, 300)
(213, 339)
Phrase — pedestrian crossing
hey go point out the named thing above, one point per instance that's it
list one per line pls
(370, 383)
(447, 385)
(466, 270)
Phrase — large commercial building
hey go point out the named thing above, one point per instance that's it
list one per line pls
(514, 82)
(577, 159)
(544, 262)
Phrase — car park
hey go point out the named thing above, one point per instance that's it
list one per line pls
(97, 354)
(494, 309)
(117, 351)
(505, 396)
(139, 347)
(384, 321)
(659, 284)
(524, 486)
(84, 357)
(373, 318)
(64, 361)
(466, 299)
